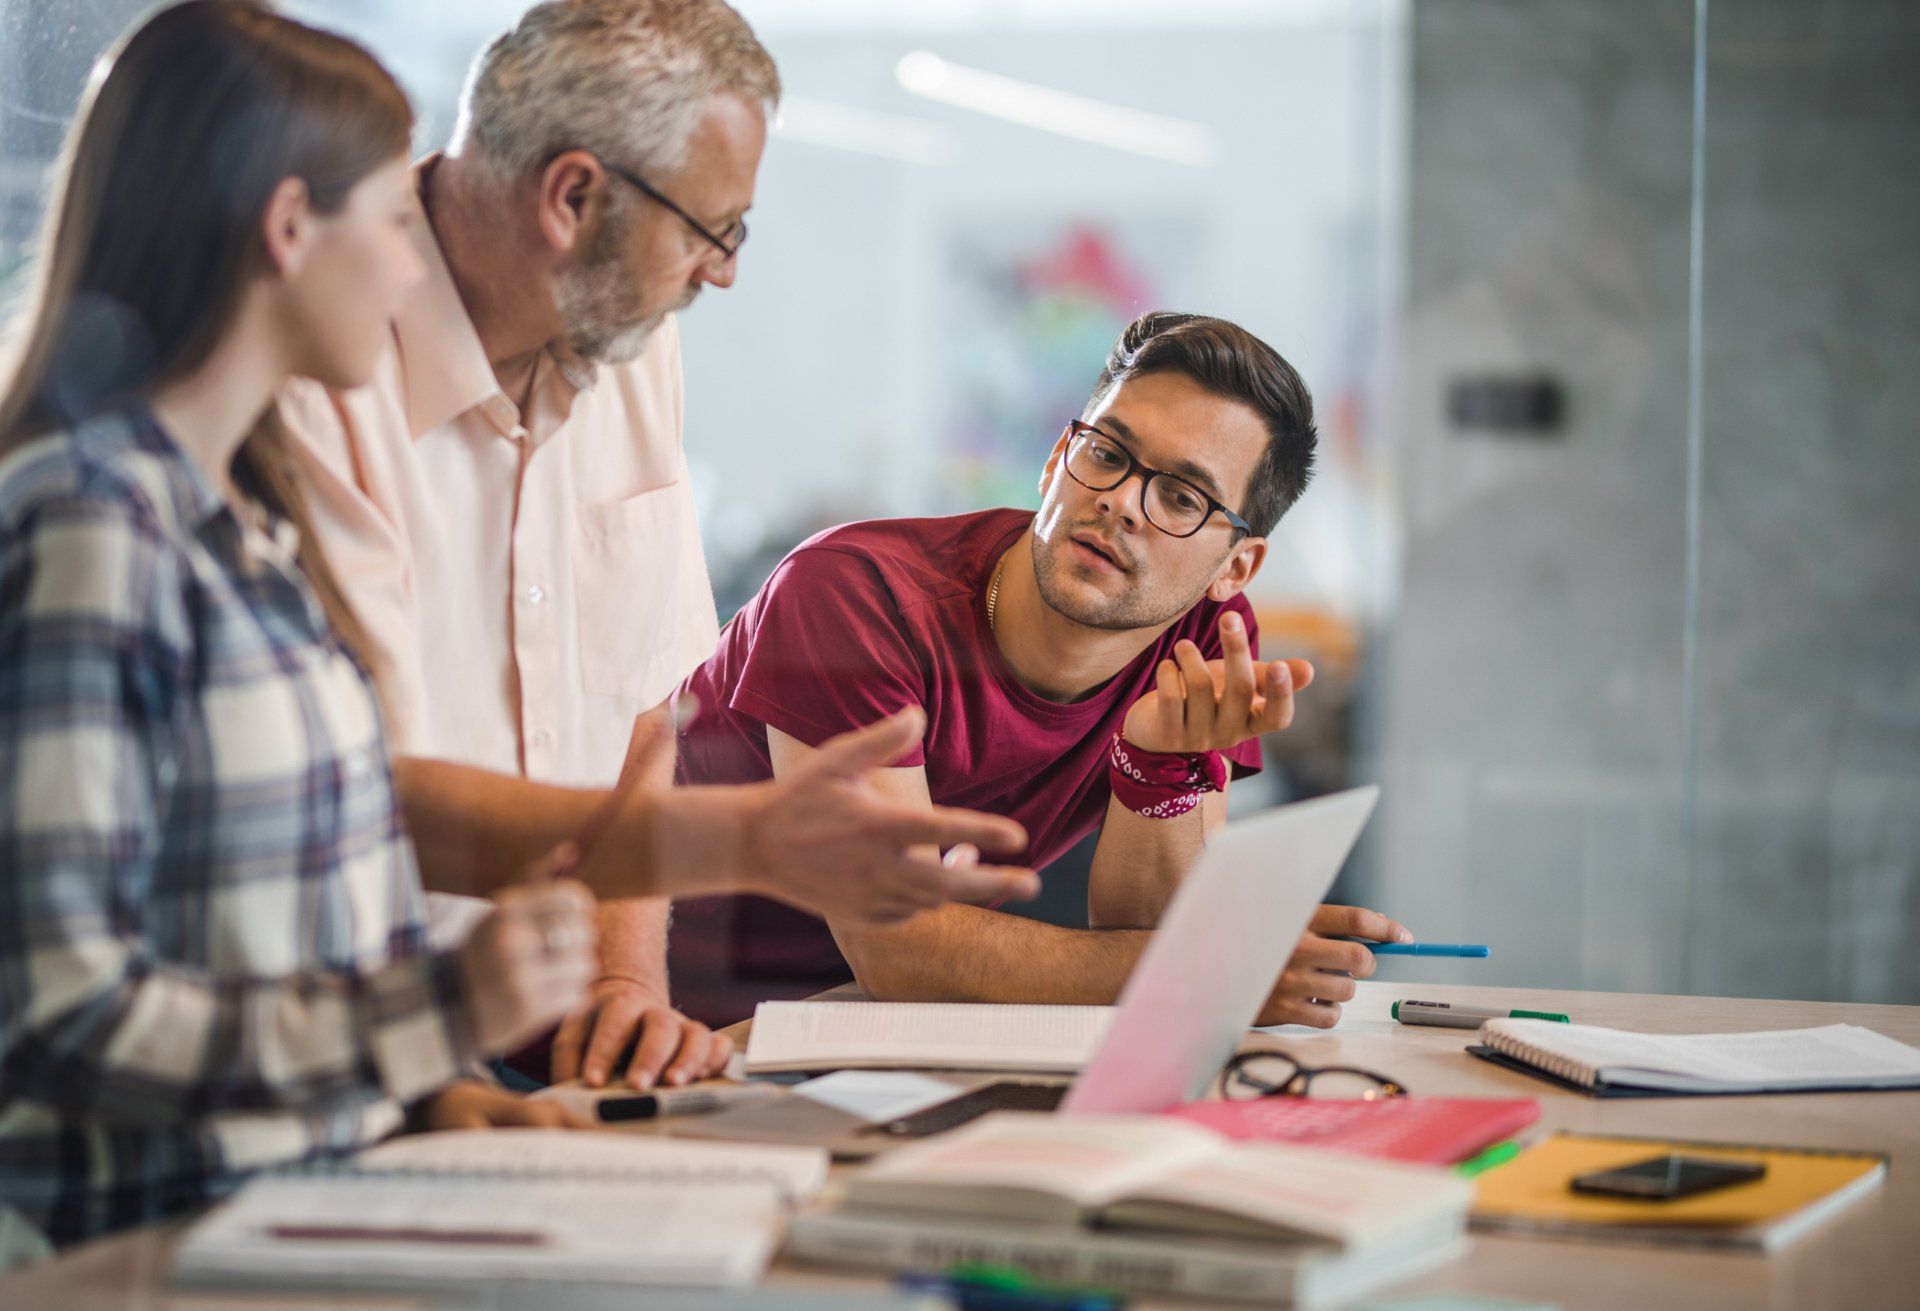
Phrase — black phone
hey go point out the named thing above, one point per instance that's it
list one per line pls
(1663, 1178)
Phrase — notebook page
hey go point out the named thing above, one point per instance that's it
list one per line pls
(824, 1034)
(1834, 1054)
(348, 1229)
(877, 1095)
(799, 1172)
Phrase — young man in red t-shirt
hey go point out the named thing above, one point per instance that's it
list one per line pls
(1091, 665)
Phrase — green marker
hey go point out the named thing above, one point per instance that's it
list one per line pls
(1446, 1015)
(1498, 1154)
(1016, 1284)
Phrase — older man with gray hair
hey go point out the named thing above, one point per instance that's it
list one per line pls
(508, 508)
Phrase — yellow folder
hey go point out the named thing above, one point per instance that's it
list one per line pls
(1802, 1187)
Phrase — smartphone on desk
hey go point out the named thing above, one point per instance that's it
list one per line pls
(1665, 1177)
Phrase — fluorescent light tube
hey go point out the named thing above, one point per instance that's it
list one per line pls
(926, 74)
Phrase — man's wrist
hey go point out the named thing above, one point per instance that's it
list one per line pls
(615, 978)
(1162, 784)
(703, 839)
(676, 842)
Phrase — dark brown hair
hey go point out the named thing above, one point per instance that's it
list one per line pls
(1227, 360)
(153, 229)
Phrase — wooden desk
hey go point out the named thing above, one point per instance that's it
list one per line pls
(1868, 1258)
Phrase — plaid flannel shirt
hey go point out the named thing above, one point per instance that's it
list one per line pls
(212, 946)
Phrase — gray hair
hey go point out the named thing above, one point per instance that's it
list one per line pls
(627, 79)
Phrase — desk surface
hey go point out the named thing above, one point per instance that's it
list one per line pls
(1868, 1257)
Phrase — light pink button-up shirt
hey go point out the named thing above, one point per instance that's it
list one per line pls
(529, 582)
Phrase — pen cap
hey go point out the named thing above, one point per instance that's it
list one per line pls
(1541, 1015)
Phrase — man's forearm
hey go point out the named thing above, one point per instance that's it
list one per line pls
(633, 941)
(477, 831)
(1139, 863)
(964, 953)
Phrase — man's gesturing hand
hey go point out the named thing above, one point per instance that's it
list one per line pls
(1211, 705)
(823, 839)
(1320, 976)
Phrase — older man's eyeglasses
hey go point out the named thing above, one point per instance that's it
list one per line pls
(1172, 504)
(728, 243)
(1254, 1074)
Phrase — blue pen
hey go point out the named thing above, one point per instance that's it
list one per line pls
(1472, 950)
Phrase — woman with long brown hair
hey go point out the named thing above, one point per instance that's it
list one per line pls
(212, 955)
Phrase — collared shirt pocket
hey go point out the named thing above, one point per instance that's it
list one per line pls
(630, 590)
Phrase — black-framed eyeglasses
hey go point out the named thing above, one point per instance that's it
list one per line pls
(1254, 1074)
(1173, 505)
(718, 240)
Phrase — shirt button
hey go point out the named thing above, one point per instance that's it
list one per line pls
(536, 594)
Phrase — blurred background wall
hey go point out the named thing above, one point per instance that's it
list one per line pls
(1612, 316)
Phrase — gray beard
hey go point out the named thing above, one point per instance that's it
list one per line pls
(599, 305)
(623, 347)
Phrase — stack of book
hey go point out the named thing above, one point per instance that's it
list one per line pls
(1147, 1204)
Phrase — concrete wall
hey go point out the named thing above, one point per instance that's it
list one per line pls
(1807, 839)
(1533, 719)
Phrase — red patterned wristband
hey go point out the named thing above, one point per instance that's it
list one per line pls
(1162, 784)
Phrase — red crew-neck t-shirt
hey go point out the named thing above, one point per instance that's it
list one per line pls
(861, 621)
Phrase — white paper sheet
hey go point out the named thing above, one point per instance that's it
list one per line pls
(877, 1095)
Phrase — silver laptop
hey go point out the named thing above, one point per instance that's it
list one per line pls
(1211, 962)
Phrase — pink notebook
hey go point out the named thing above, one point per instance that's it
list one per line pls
(1433, 1130)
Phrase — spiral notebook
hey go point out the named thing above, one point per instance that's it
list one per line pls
(453, 1209)
(1618, 1063)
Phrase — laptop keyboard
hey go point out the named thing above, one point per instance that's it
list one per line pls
(972, 1105)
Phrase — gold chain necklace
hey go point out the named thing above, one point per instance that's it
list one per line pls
(993, 592)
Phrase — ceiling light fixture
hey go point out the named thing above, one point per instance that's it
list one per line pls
(1051, 110)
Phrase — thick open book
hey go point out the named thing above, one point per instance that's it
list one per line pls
(830, 1035)
(1149, 1204)
(1162, 1174)
(1174, 1265)
(1833, 1058)
(458, 1208)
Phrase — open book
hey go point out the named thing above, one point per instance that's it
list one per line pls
(1830, 1059)
(829, 1035)
(1159, 1173)
(457, 1208)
